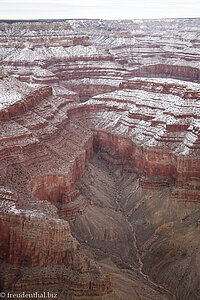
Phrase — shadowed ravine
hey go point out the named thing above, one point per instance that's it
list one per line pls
(105, 185)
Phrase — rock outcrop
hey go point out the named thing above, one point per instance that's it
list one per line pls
(17, 98)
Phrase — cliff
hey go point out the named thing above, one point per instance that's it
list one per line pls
(37, 33)
(17, 98)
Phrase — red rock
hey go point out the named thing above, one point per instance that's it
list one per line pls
(153, 182)
(27, 97)
(167, 70)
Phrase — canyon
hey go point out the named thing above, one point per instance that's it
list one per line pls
(100, 159)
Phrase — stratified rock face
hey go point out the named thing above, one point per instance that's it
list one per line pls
(94, 147)
(167, 48)
(17, 98)
(155, 126)
(37, 33)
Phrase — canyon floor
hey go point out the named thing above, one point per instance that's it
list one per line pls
(118, 231)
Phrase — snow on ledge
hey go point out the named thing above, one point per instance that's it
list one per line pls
(13, 90)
